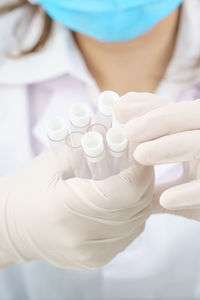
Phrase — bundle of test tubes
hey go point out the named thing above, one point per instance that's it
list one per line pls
(98, 147)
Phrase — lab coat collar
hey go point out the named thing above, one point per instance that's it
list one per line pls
(60, 56)
(184, 66)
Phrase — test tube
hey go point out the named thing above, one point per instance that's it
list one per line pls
(106, 102)
(78, 162)
(80, 117)
(57, 131)
(117, 145)
(93, 147)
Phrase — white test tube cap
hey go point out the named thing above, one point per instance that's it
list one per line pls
(80, 115)
(106, 102)
(116, 141)
(57, 129)
(93, 146)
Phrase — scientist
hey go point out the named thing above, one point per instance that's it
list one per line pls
(56, 230)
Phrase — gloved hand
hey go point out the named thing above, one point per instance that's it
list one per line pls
(168, 133)
(72, 223)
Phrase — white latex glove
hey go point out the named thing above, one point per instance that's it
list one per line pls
(169, 133)
(72, 223)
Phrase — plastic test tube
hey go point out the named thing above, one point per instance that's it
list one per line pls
(76, 157)
(118, 149)
(93, 147)
(106, 102)
(80, 117)
(57, 131)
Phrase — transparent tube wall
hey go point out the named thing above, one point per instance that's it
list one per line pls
(76, 155)
(117, 150)
(93, 147)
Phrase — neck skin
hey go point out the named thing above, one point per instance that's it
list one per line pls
(135, 65)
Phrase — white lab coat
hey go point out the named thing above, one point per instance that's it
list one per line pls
(163, 263)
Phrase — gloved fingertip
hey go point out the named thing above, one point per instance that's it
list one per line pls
(124, 109)
(120, 111)
(134, 130)
(143, 156)
(128, 131)
(168, 202)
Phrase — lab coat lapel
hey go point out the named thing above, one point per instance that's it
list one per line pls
(14, 128)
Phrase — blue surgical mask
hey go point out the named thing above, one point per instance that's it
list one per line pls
(109, 20)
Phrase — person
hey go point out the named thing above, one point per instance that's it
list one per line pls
(57, 223)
